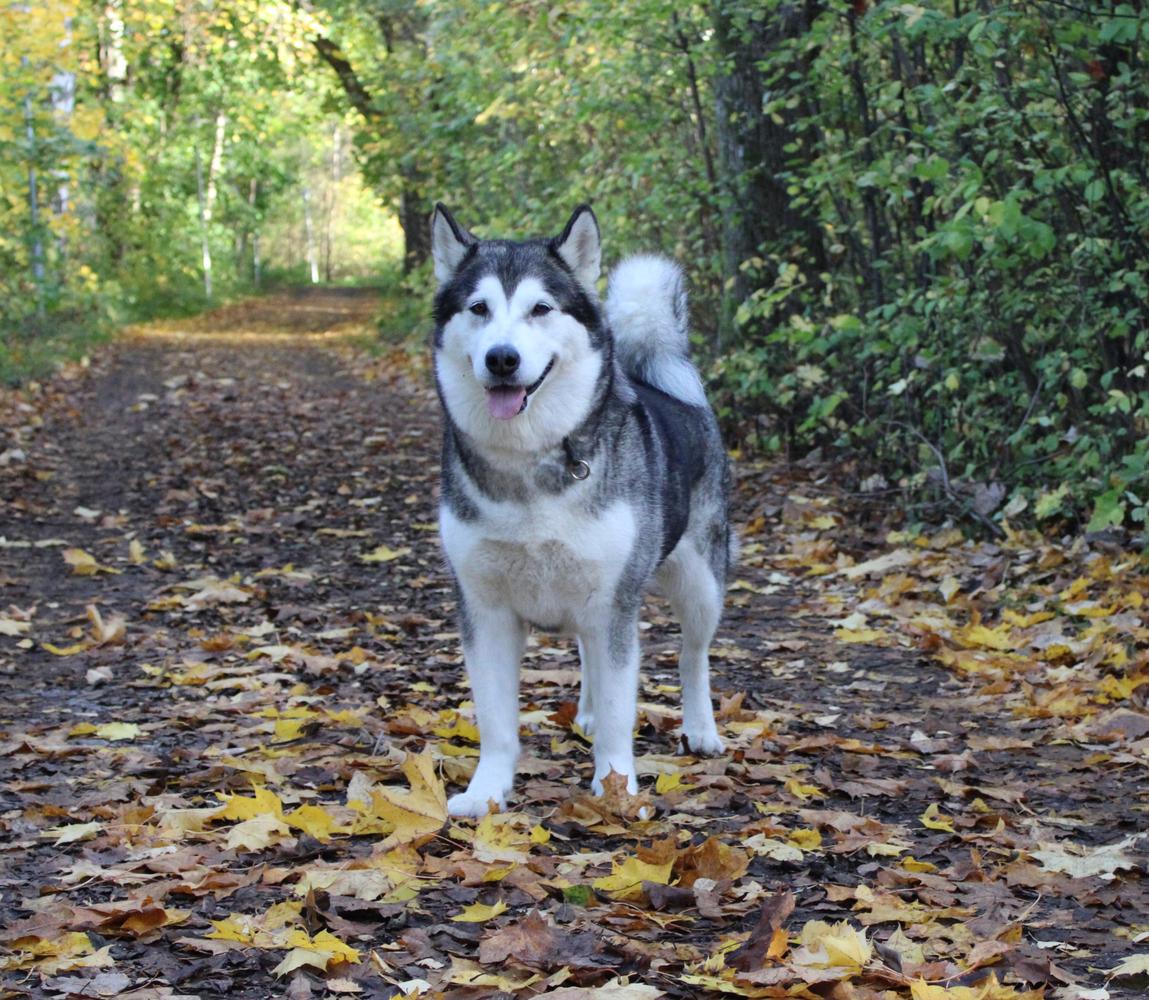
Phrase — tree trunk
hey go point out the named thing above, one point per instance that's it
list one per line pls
(413, 218)
(252, 234)
(204, 215)
(37, 237)
(332, 202)
(309, 235)
(756, 210)
(215, 168)
(256, 262)
(413, 209)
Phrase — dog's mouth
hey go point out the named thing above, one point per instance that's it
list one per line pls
(504, 402)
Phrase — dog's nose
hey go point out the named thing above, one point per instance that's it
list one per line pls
(502, 360)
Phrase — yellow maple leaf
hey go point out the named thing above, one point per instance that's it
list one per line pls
(63, 954)
(832, 945)
(496, 839)
(990, 989)
(625, 880)
(313, 820)
(257, 833)
(382, 553)
(264, 930)
(949, 588)
(1134, 965)
(72, 650)
(806, 839)
(803, 792)
(858, 634)
(72, 832)
(361, 883)
(84, 563)
(477, 913)
(932, 819)
(912, 864)
(457, 725)
(319, 952)
(113, 731)
(240, 807)
(981, 636)
(417, 814)
(287, 730)
(181, 821)
(241, 927)
(510, 979)
(14, 626)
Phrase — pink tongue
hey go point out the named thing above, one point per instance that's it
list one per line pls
(506, 401)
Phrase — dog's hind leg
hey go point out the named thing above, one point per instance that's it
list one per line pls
(695, 594)
(610, 664)
(493, 643)
(585, 716)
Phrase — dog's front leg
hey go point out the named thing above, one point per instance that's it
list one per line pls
(493, 642)
(610, 665)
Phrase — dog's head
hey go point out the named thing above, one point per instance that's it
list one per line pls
(519, 336)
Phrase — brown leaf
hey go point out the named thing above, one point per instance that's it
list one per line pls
(711, 859)
(537, 945)
(752, 954)
(668, 897)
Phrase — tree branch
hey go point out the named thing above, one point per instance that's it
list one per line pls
(357, 94)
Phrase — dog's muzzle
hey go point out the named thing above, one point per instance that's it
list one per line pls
(504, 402)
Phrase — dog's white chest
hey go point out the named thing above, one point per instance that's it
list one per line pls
(552, 566)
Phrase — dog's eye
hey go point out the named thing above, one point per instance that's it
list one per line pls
(479, 308)
(541, 309)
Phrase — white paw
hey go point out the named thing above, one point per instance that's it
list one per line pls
(476, 804)
(701, 742)
(596, 785)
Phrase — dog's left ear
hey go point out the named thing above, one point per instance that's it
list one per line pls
(580, 246)
(449, 243)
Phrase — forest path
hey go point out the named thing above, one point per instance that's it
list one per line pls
(218, 554)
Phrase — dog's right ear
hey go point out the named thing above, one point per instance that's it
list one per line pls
(449, 243)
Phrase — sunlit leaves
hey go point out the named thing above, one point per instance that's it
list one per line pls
(480, 913)
(84, 563)
(415, 814)
(320, 951)
(71, 951)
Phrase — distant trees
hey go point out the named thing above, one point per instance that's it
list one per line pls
(144, 142)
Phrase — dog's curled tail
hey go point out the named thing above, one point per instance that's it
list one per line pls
(646, 310)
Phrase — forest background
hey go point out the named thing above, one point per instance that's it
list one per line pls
(916, 233)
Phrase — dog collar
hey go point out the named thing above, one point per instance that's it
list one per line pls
(577, 468)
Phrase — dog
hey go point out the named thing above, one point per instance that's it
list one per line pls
(581, 463)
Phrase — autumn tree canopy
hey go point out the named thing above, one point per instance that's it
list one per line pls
(914, 231)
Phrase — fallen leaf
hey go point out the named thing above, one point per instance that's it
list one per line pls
(417, 813)
(382, 554)
(478, 913)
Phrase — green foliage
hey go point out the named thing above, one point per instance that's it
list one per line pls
(980, 177)
(152, 145)
(916, 232)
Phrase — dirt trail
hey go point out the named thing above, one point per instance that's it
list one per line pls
(261, 500)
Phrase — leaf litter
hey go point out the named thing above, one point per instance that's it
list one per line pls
(234, 701)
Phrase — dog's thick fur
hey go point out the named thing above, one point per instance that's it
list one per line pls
(581, 464)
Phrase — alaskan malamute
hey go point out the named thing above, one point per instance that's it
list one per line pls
(581, 464)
